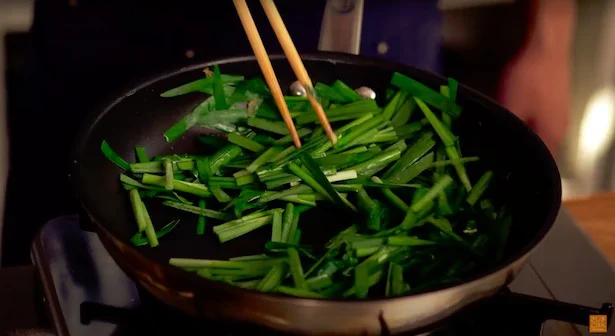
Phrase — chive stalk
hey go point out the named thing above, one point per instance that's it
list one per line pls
(200, 224)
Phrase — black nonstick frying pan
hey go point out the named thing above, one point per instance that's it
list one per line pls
(527, 180)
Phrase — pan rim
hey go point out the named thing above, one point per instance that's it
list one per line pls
(333, 57)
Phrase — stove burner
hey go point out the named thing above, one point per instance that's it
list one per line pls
(77, 272)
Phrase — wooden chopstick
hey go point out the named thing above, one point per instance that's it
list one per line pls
(295, 61)
(265, 64)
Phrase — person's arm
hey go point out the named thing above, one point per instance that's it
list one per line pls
(536, 83)
(551, 25)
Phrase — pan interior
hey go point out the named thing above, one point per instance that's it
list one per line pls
(526, 178)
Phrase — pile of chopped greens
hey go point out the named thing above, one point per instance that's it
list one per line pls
(397, 167)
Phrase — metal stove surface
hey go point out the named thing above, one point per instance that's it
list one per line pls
(88, 294)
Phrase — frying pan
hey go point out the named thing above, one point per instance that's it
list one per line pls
(526, 180)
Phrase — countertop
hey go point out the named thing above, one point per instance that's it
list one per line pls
(596, 215)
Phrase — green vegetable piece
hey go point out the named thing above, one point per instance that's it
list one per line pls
(287, 222)
(245, 265)
(276, 229)
(150, 233)
(263, 139)
(113, 156)
(479, 188)
(246, 143)
(185, 165)
(444, 207)
(371, 138)
(218, 87)
(403, 113)
(409, 130)
(446, 118)
(326, 92)
(168, 174)
(351, 111)
(281, 182)
(398, 285)
(354, 123)
(220, 195)
(443, 132)
(203, 167)
(319, 282)
(390, 195)
(408, 241)
(147, 167)
(304, 293)
(425, 93)
(307, 148)
(396, 102)
(365, 285)
(301, 199)
(292, 231)
(372, 265)
(272, 279)
(264, 158)
(287, 139)
(197, 210)
(224, 120)
(187, 187)
(139, 240)
(268, 110)
(445, 226)
(203, 85)
(421, 147)
(223, 157)
(452, 87)
(345, 159)
(200, 224)
(296, 190)
(387, 291)
(245, 228)
(276, 127)
(222, 182)
(449, 141)
(141, 154)
(318, 181)
(359, 130)
(137, 210)
(132, 182)
(297, 236)
(372, 209)
(419, 206)
(296, 270)
(379, 162)
(413, 170)
(345, 91)
(436, 189)
(182, 126)
(251, 257)
(240, 221)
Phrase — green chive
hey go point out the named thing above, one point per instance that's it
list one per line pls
(200, 226)
(197, 210)
(245, 143)
(113, 156)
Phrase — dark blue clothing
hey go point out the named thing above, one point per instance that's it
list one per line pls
(411, 30)
(80, 55)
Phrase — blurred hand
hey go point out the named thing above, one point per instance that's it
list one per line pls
(536, 87)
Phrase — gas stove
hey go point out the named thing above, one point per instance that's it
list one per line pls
(86, 293)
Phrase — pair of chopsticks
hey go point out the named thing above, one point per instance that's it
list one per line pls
(293, 57)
